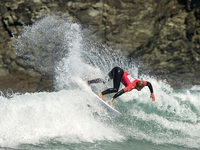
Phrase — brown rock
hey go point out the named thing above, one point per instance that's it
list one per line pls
(164, 35)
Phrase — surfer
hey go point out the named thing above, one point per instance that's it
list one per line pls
(119, 75)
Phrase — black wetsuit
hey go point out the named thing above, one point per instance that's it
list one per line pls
(116, 74)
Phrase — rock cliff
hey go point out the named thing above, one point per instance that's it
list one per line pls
(163, 36)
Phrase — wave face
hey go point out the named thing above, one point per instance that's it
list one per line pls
(70, 117)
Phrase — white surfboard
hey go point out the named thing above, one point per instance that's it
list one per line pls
(110, 108)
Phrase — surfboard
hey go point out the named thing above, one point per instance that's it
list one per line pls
(109, 108)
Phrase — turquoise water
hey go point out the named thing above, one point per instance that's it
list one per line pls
(70, 118)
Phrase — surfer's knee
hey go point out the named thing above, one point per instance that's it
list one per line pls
(115, 90)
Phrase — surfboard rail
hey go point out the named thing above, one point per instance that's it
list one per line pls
(110, 108)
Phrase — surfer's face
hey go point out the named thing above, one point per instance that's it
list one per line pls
(139, 88)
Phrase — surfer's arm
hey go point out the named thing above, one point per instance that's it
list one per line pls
(150, 86)
(151, 90)
(116, 95)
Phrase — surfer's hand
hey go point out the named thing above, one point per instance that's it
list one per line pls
(152, 96)
(111, 101)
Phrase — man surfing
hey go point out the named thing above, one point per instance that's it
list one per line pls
(119, 75)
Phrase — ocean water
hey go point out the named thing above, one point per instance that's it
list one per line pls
(70, 118)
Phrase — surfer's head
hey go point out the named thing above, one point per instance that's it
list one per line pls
(139, 85)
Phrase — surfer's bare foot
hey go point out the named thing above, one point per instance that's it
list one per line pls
(88, 82)
(100, 95)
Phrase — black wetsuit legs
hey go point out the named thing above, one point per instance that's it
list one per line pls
(98, 80)
(115, 74)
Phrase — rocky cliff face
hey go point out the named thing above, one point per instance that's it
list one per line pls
(164, 36)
